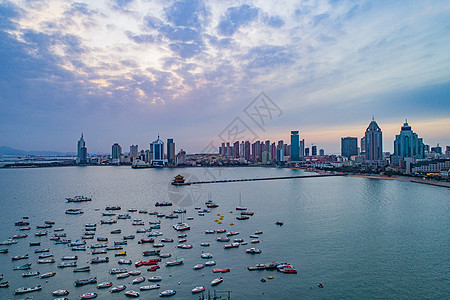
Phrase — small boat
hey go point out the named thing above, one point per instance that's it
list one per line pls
(138, 280)
(41, 250)
(198, 289)
(47, 275)
(254, 241)
(41, 233)
(153, 213)
(102, 239)
(87, 237)
(216, 281)
(78, 248)
(223, 239)
(158, 245)
(4, 284)
(98, 251)
(124, 217)
(221, 231)
(59, 241)
(199, 266)
(19, 257)
(167, 293)
(79, 199)
(155, 278)
(206, 255)
(124, 262)
(23, 267)
(113, 208)
(143, 212)
(25, 228)
(175, 262)
(171, 216)
(232, 245)
(253, 251)
(117, 289)
(60, 292)
(144, 240)
(149, 287)
(257, 267)
(22, 223)
(184, 246)
(46, 261)
(132, 210)
(120, 243)
(135, 272)
(182, 240)
(151, 252)
(74, 211)
(231, 233)
(118, 271)
(77, 243)
(46, 255)
(153, 268)
(287, 269)
(165, 255)
(148, 262)
(205, 244)
(86, 281)
(242, 217)
(129, 237)
(24, 290)
(109, 221)
(98, 260)
(181, 226)
(67, 265)
(88, 296)
(114, 248)
(179, 211)
(279, 223)
(58, 229)
(101, 245)
(4, 250)
(8, 242)
(210, 263)
(123, 253)
(131, 294)
(254, 236)
(108, 214)
(116, 231)
(32, 244)
(104, 285)
(167, 240)
(123, 275)
(82, 269)
(30, 274)
(90, 225)
(247, 213)
(165, 203)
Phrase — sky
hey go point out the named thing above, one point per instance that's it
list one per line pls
(204, 72)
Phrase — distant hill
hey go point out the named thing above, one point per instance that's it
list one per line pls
(4, 150)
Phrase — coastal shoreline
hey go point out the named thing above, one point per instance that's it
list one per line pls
(403, 178)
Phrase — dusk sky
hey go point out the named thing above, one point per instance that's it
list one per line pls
(125, 70)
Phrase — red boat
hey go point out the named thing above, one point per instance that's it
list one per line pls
(152, 269)
(286, 268)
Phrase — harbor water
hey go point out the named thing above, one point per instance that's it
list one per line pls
(360, 238)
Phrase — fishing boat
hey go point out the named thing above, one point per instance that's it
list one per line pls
(165, 255)
(123, 253)
(30, 274)
(58, 229)
(22, 223)
(116, 231)
(102, 239)
(85, 281)
(25, 228)
(232, 245)
(77, 243)
(175, 262)
(123, 275)
(211, 231)
(117, 271)
(88, 296)
(206, 255)
(231, 233)
(254, 241)
(24, 290)
(46, 261)
(23, 267)
(149, 287)
(4, 284)
(124, 262)
(171, 216)
(242, 217)
(198, 289)
(108, 214)
(79, 199)
(47, 275)
(143, 211)
(199, 266)
(247, 213)
(67, 265)
(109, 221)
(221, 231)
(216, 281)
(257, 267)
(113, 208)
(82, 269)
(129, 237)
(210, 263)
(41, 233)
(8, 242)
(138, 280)
(158, 245)
(165, 203)
(104, 285)
(4, 250)
(74, 211)
(90, 225)
(223, 239)
(117, 289)
(114, 248)
(181, 226)
(45, 255)
(131, 293)
(60, 292)
(33, 244)
(19, 236)
(151, 252)
(155, 278)
(98, 251)
(287, 269)
(153, 268)
(19, 257)
(120, 243)
(98, 260)
(205, 244)
(167, 293)
(167, 240)
(41, 250)
(78, 248)
(148, 262)
(124, 217)
(253, 251)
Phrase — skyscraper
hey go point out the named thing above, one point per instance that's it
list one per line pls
(170, 152)
(314, 150)
(374, 142)
(321, 152)
(134, 151)
(306, 151)
(236, 149)
(295, 146)
(247, 151)
(407, 144)
(81, 151)
(302, 148)
(349, 147)
(115, 155)
(158, 152)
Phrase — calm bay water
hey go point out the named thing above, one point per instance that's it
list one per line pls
(361, 238)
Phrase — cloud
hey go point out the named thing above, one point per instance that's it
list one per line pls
(236, 17)
(189, 13)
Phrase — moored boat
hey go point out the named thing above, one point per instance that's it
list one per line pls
(117, 289)
(199, 266)
(104, 285)
(60, 292)
(118, 271)
(30, 274)
(47, 275)
(198, 289)
(82, 269)
(131, 293)
(98, 260)
(86, 281)
(138, 280)
(88, 296)
(167, 293)
(216, 281)
(23, 267)
(253, 251)
(19, 257)
(175, 262)
(73, 257)
(149, 287)
(155, 278)
(67, 265)
(24, 290)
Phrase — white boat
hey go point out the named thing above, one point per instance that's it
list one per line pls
(181, 226)
(135, 273)
(123, 275)
(30, 274)
(104, 285)
(240, 207)
(216, 281)
(138, 280)
(24, 290)
(210, 263)
(175, 262)
(149, 287)
(205, 244)
(167, 293)
(198, 289)
(117, 271)
(74, 211)
(88, 296)
(131, 294)
(253, 251)
(60, 292)
(199, 266)
(155, 278)
(47, 275)
(206, 255)
(118, 288)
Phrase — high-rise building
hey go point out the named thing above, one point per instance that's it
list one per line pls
(447, 152)
(437, 149)
(302, 148)
(170, 152)
(242, 150)
(314, 150)
(363, 146)
(115, 155)
(266, 146)
(134, 152)
(374, 142)
(321, 152)
(158, 152)
(306, 151)
(273, 152)
(295, 146)
(236, 149)
(407, 144)
(349, 147)
(181, 158)
(81, 151)
(247, 151)
(253, 157)
(280, 148)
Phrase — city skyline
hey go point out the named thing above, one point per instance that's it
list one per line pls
(123, 71)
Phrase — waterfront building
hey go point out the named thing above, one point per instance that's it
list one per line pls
(407, 144)
(426, 148)
(266, 146)
(242, 150)
(437, 149)
(314, 150)
(363, 146)
(222, 150)
(247, 151)
(280, 148)
(134, 151)
(447, 152)
(295, 146)
(236, 149)
(321, 152)
(181, 157)
(259, 151)
(170, 152)
(302, 148)
(116, 152)
(307, 151)
(374, 142)
(265, 158)
(349, 147)
(253, 155)
(81, 151)
(228, 150)
(273, 152)
(158, 152)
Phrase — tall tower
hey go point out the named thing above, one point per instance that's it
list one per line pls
(295, 146)
(116, 151)
(407, 144)
(158, 152)
(170, 152)
(374, 142)
(349, 146)
(81, 151)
